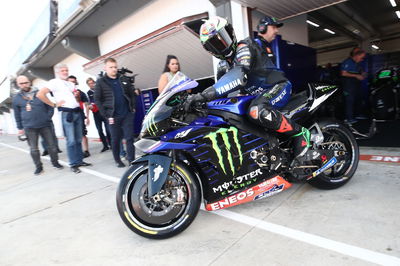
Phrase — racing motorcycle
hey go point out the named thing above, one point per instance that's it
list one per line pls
(215, 155)
(384, 97)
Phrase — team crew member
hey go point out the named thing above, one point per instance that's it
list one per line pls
(352, 75)
(115, 97)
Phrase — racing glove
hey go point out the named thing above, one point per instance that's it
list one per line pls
(205, 96)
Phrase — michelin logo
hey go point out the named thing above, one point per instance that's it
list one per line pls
(228, 87)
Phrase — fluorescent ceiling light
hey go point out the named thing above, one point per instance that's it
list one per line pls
(393, 2)
(398, 14)
(375, 47)
(312, 23)
(328, 30)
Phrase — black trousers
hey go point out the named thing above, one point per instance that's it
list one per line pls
(99, 120)
(33, 136)
(353, 101)
(44, 144)
(123, 128)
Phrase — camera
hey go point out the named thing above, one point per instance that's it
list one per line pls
(124, 71)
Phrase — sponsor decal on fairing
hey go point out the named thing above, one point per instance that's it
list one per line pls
(238, 182)
(157, 172)
(272, 186)
(182, 134)
(223, 132)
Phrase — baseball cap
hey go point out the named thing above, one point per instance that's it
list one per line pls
(267, 20)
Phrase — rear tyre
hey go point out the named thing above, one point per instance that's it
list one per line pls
(337, 137)
(165, 214)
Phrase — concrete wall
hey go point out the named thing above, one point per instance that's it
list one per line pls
(148, 19)
(7, 123)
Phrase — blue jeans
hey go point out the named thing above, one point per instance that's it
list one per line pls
(73, 135)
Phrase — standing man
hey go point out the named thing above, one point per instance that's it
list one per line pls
(63, 92)
(84, 105)
(115, 97)
(33, 118)
(352, 75)
(98, 118)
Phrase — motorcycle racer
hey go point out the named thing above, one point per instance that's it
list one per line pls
(249, 66)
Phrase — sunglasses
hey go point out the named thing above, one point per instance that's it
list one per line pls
(23, 83)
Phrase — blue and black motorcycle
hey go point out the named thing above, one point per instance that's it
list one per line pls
(213, 154)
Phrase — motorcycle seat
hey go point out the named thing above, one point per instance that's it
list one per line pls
(295, 101)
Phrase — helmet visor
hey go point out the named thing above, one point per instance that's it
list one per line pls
(219, 43)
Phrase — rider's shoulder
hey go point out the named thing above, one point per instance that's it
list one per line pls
(244, 42)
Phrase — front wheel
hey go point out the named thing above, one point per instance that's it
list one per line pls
(166, 213)
(337, 137)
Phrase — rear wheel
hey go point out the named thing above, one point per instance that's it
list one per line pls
(338, 138)
(165, 214)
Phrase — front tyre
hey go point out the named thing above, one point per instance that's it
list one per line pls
(337, 137)
(165, 214)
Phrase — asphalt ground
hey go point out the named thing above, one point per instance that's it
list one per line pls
(62, 218)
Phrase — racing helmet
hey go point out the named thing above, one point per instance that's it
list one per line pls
(218, 37)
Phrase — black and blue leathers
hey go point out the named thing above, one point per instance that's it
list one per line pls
(252, 71)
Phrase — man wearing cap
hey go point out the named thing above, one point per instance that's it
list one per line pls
(252, 62)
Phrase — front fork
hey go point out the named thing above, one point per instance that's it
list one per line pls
(159, 166)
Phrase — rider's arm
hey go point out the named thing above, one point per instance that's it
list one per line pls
(234, 80)
(243, 57)
(352, 75)
(222, 68)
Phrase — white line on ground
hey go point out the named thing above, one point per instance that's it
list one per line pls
(336, 246)
(92, 172)
(343, 248)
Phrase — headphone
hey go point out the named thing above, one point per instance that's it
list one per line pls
(262, 28)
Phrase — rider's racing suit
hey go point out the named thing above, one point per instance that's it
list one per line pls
(253, 72)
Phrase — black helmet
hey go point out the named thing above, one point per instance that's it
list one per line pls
(218, 37)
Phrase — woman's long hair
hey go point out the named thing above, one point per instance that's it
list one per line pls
(169, 58)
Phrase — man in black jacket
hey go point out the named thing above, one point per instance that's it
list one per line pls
(115, 97)
(33, 118)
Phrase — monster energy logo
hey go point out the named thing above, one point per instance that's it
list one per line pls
(223, 132)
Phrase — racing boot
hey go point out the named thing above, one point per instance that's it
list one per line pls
(273, 119)
(300, 134)
(301, 143)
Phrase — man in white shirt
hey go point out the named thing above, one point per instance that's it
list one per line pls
(63, 92)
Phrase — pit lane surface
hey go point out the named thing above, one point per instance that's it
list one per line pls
(71, 219)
